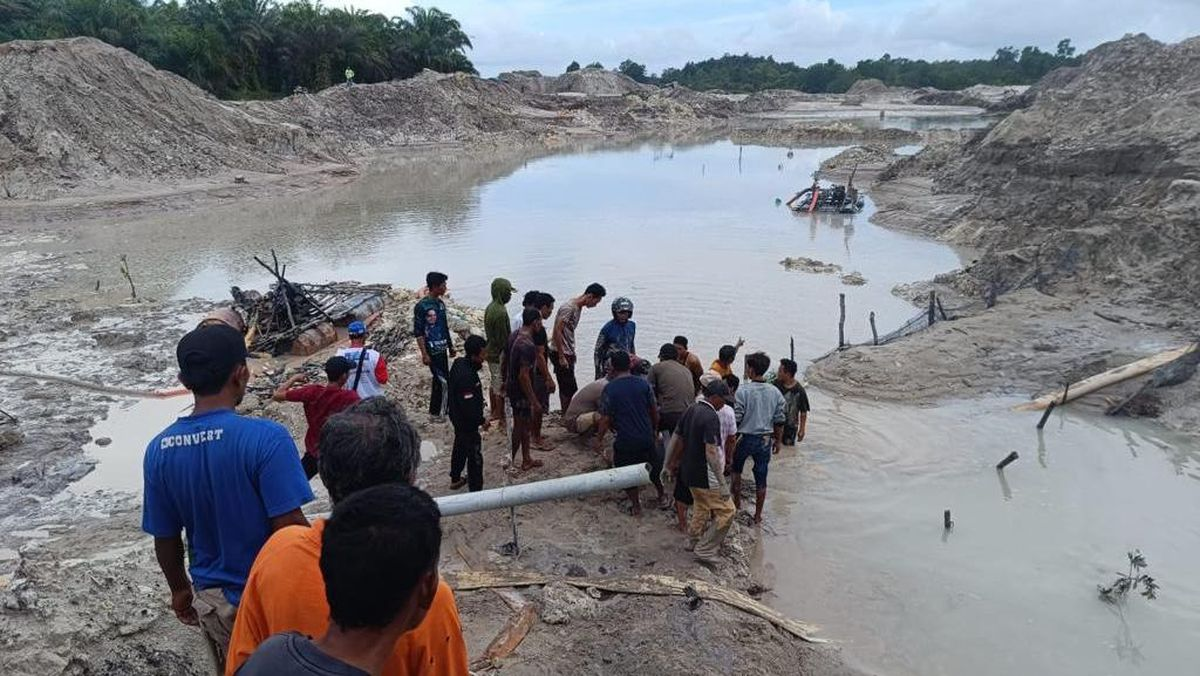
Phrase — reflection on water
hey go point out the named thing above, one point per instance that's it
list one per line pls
(1012, 588)
(691, 233)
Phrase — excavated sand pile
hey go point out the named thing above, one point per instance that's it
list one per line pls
(79, 116)
(1096, 183)
(431, 107)
(79, 110)
(588, 81)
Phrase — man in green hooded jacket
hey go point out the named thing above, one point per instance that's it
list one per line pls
(497, 329)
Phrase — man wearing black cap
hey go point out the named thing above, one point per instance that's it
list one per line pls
(696, 460)
(320, 402)
(227, 480)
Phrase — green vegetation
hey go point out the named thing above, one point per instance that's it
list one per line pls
(572, 67)
(253, 48)
(754, 73)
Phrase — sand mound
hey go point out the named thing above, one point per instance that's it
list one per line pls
(431, 107)
(587, 81)
(78, 110)
(991, 97)
(1096, 183)
(81, 116)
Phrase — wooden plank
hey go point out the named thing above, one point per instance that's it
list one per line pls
(510, 636)
(652, 585)
(1110, 377)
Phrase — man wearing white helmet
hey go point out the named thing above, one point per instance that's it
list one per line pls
(617, 335)
(368, 373)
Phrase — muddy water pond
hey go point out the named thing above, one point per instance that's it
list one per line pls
(854, 539)
(857, 542)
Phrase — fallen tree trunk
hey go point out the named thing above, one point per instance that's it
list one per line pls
(654, 585)
(1110, 377)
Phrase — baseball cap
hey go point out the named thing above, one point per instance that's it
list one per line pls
(207, 357)
(357, 328)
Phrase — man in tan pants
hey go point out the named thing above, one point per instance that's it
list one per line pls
(697, 460)
(226, 480)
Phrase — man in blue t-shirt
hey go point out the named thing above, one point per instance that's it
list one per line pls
(226, 480)
(627, 407)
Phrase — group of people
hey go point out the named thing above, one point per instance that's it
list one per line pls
(359, 592)
(644, 406)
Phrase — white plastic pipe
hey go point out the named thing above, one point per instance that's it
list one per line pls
(618, 478)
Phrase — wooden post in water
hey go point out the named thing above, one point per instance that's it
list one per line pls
(874, 333)
(932, 308)
(842, 321)
(1046, 415)
(792, 341)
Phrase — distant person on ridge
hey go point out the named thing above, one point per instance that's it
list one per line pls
(795, 403)
(466, 415)
(562, 342)
(759, 408)
(498, 329)
(320, 402)
(349, 77)
(432, 331)
(368, 372)
(627, 407)
(223, 480)
(617, 335)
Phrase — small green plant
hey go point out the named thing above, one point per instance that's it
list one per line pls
(1129, 581)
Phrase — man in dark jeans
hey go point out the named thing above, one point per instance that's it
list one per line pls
(432, 331)
(466, 415)
(627, 406)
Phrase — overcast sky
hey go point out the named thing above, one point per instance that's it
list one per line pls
(547, 34)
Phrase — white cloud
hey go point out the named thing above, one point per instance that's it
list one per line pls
(548, 34)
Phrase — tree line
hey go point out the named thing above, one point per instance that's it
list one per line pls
(747, 73)
(253, 48)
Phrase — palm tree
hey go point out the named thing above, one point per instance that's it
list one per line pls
(431, 38)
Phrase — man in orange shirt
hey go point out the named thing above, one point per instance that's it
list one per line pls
(368, 444)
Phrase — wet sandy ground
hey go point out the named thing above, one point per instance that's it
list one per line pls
(853, 540)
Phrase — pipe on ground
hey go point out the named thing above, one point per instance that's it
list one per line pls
(618, 478)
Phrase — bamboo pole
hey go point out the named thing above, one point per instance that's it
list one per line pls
(653, 585)
(874, 333)
(1110, 377)
(842, 321)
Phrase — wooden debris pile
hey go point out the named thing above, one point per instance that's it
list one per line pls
(301, 318)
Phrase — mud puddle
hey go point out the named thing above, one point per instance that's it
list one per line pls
(119, 442)
(857, 542)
